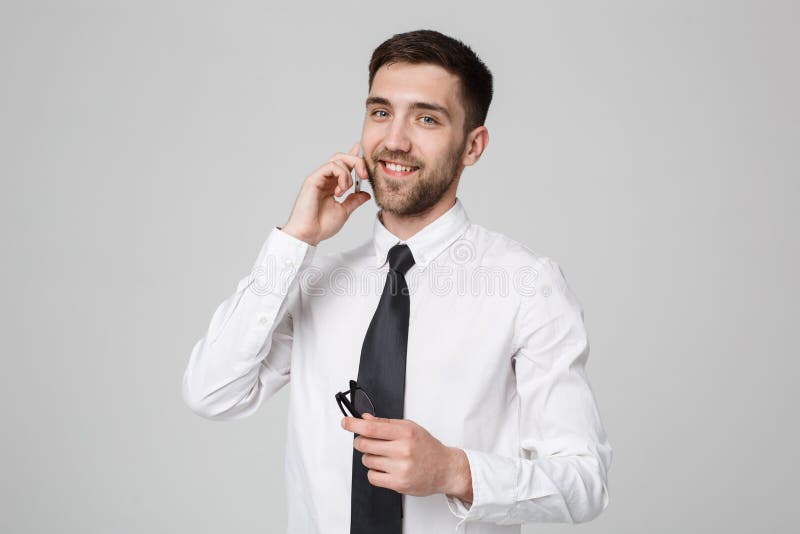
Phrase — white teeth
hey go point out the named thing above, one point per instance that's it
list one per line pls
(397, 168)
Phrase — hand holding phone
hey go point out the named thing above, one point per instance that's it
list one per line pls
(317, 215)
(356, 177)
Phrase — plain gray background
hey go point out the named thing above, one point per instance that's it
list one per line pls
(147, 149)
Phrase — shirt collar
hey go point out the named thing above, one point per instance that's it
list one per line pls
(426, 244)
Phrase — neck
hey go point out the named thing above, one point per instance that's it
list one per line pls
(405, 226)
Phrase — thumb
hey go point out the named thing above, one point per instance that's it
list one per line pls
(371, 417)
(354, 200)
(354, 150)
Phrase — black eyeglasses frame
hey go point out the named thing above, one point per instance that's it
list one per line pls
(344, 402)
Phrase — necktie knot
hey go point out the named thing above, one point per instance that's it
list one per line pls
(400, 259)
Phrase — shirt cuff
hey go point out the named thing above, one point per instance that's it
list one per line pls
(495, 488)
(494, 481)
(285, 248)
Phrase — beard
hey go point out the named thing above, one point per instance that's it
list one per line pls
(413, 195)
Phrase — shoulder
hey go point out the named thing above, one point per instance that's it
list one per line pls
(497, 248)
(538, 279)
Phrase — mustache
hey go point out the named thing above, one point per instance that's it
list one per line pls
(397, 158)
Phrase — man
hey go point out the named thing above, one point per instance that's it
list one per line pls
(479, 416)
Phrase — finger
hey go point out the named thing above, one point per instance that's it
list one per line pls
(374, 428)
(378, 447)
(378, 463)
(354, 200)
(344, 183)
(370, 416)
(332, 169)
(360, 169)
(352, 161)
(330, 174)
(381, 480)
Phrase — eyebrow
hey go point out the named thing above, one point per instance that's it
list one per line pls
(414, 105)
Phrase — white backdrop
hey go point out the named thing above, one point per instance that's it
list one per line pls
(146, 149)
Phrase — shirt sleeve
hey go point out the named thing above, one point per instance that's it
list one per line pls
(560, 474)
(245, 355)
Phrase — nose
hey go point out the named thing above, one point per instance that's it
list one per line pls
(397, 139)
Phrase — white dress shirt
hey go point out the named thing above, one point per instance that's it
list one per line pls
(496, 360)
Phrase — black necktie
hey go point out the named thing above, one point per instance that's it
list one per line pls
(382, 373)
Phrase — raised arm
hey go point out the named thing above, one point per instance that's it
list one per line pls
(245, 355)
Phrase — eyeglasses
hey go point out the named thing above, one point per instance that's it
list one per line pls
(359, 402)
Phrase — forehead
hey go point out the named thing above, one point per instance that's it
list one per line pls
(403, 83)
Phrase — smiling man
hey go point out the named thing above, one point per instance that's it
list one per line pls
(456, 353)
(417, 144)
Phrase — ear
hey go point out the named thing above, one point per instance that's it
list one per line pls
(477, 141)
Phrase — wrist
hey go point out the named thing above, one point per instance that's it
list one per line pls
(298, 235)
(459, 480)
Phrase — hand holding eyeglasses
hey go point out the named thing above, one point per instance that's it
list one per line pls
(404, 457)
(356, 400)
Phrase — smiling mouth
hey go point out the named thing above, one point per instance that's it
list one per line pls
(395, 169)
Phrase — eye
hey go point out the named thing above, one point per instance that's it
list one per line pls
(378, 111)
(432, 120)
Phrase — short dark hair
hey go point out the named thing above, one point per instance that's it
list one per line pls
(430, 46)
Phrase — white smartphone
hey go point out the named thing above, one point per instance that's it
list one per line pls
(356, 181)
(354, 174)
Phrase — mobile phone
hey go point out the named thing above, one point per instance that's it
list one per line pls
(354, 174)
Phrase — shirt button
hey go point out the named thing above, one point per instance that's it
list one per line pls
(263, 319)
